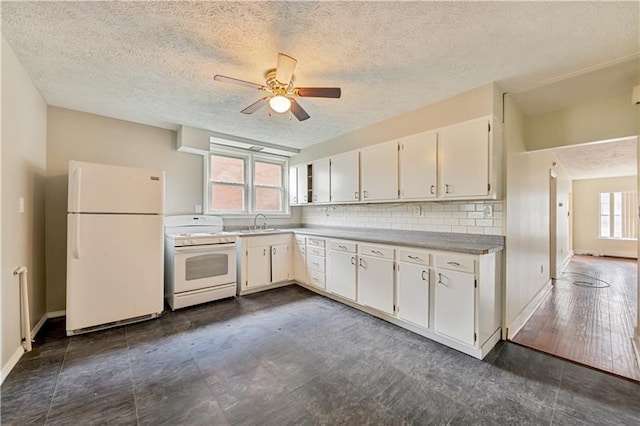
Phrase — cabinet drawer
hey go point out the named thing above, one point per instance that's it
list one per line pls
(315, 263)
(317, 279)
(412, 256)
(456, 262)
(345, 246)
(301, 241)
(376, 251)
(316, 251)
(315, 242)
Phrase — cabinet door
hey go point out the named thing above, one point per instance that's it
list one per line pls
(341, 277)
(320, 171)
(455, 305)
(463, 151)
(293, 186)
(379, 171)
(375, 283)
(413, 293)
(301, 171)
(418, 166)
(299, 262)
(344, 180)
(280, 262)
(258, 266)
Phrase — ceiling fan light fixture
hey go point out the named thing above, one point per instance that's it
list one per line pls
(280, 103)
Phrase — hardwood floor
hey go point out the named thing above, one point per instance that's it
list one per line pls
(584, 320)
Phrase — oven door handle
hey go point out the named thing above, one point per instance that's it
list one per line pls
(208, 248)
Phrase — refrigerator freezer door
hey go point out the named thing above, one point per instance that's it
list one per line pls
(101, 188)
(114, 268)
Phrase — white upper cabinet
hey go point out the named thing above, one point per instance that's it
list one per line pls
(303, 187)
(463, 153)
(379, 171)
(293, 186)
(419, 166)
(320, 170)
(345, 177)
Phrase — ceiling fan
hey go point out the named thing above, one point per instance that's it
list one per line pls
(282, 93)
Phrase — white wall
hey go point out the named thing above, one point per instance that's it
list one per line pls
(586, 219)
(24, 118)
(73, 135)
(563, 219)
(527, 219)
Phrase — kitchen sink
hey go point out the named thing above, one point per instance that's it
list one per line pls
(258, 231)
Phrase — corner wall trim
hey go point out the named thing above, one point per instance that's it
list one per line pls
(6, 369)
(519, 321)
(56, 314)
(39, 325)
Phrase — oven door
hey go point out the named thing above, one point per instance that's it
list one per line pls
(198, 267)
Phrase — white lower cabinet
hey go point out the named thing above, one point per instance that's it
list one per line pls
(315, 262)
(413, 293)
(341, 279)
(455, 299)
(376, 283)
(299, 259)
(265, 260)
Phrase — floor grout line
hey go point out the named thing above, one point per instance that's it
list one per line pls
(555, 400)
(55, 388)
(133, 385)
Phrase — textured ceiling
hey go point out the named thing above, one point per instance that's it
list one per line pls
(600, 159)
(153, 62)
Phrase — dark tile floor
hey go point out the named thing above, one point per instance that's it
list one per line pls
(288, 356)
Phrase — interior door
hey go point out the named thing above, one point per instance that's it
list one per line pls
(115, 266)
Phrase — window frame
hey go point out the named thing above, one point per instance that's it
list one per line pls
(612, 216)
(249, 157)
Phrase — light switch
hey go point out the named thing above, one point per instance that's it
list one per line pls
(21, 204)
(417, 211)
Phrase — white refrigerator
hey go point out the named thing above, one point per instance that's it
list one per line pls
(115, 240)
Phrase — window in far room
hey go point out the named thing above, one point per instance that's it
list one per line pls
(618, 215)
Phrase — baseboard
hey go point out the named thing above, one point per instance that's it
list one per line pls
(565, 263)
(13, 360)
(56, 314)
(597, 253)
(39, 325)
(519, 321)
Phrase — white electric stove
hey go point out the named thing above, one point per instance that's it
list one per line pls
(200, 260)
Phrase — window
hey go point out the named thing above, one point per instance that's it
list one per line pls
(618, 215)
(241, 182)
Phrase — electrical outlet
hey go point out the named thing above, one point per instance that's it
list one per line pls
(417, 211)
(198, 208)
(541, 269)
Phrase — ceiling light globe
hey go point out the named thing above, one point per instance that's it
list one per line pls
(280, 103)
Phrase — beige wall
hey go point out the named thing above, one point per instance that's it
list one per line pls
(24, 119)
(73, 135)
(527, 216)
(598, 120)
(466, 106)
(586, 205)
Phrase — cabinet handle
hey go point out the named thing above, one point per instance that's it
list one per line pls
(433, 189)
(415, 258)
(316, 264)
(355, 195)
(423, 277)
(366, 194)
(378, 252)
(264, 252)
(315, 198)
(360, 263)
(440, 280)
(295, 200)
(342, 247)
(453, 263)
(353, 260)
(274, 250)
(446, 189)
(305, 198)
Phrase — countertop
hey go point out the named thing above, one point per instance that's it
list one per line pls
(460, 243)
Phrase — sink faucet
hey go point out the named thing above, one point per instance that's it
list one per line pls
(255, 219)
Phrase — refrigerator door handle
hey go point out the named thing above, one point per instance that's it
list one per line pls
(76, 237)
(78, 178)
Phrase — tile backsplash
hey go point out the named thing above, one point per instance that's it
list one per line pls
(478, 217)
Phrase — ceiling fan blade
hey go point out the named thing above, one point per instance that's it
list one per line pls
(284, 70)
(255, 106)
(297, 110)
(318, 92)
(235, 81)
